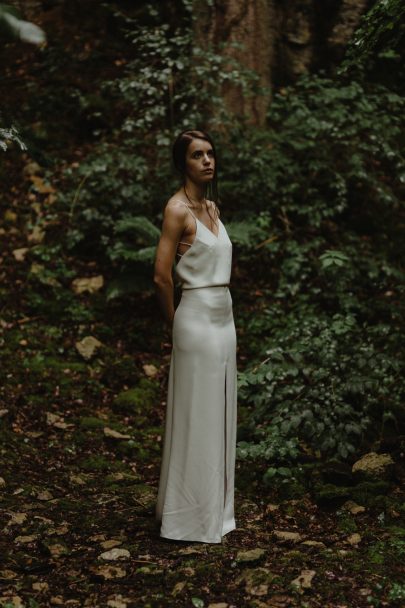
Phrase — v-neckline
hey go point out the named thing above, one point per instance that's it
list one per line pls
(209, 230)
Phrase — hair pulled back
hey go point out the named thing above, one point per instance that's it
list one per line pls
(179, 152)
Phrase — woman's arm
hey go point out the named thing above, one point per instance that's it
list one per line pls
(172, 229)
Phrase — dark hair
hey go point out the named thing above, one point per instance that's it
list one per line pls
(179, 151)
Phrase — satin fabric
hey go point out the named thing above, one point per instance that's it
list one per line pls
(196, 486)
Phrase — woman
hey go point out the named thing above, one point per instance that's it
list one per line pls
(196, 488)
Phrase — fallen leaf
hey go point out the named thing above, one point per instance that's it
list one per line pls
(150, 370)
(38, 586)
(26, 539)
(115, 554)
(77, 480)
(109, 544)
(89, 284)
(178, 588)
(8, 574)
(304, 580)
(117, 603)
(313, 543)
(354, 539)
(109, 572)
(57, 600)
(36, 236)
(2, 482)
(19, 254)
(40, 185)
(57, 549)
(218, 605)
(88, 346)
(17, 519)
(3, 412)
(44, 495)
(57, 421)
(114, 434)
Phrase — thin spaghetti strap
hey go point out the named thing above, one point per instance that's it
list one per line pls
(185, 204)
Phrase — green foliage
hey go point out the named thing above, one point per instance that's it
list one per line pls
(377, 48)
(324, 374)
(330, 146)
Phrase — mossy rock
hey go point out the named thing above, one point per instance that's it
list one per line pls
(337, 473)
(371, 493)
(138, 399)
(331, 494)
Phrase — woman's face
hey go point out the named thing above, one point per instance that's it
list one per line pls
(200, 161)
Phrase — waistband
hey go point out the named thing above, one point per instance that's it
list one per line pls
(206, 287)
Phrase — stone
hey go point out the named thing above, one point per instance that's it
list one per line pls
(251, 555)
(374, 465)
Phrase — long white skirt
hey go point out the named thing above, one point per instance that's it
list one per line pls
(196, 488)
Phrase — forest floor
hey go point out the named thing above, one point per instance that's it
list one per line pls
(80, 453)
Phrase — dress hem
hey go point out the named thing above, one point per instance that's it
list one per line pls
(199, 540)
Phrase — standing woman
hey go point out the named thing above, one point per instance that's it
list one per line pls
(196, 488)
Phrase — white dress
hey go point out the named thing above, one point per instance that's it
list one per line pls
(196, 488)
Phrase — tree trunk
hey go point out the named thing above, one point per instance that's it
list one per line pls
(280, 40)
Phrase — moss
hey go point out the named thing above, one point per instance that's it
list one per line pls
(346, 523)
(91, 422)
(331, 493)
(100, 463)
(138, 399)
(371, 493)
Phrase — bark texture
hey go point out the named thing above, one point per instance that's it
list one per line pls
(280, 40)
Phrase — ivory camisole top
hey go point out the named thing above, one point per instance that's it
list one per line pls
(208, 260)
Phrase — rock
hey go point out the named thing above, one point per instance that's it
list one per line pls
(373, 465)
(251, 555)
(329, 493)
(353, 507)
(293, 537)
(371, 493)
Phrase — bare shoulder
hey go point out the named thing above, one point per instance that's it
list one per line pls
(175, 209)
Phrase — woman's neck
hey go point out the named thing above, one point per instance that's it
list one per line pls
(194, 192)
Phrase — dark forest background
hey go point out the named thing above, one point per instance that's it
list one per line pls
(305, 101)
